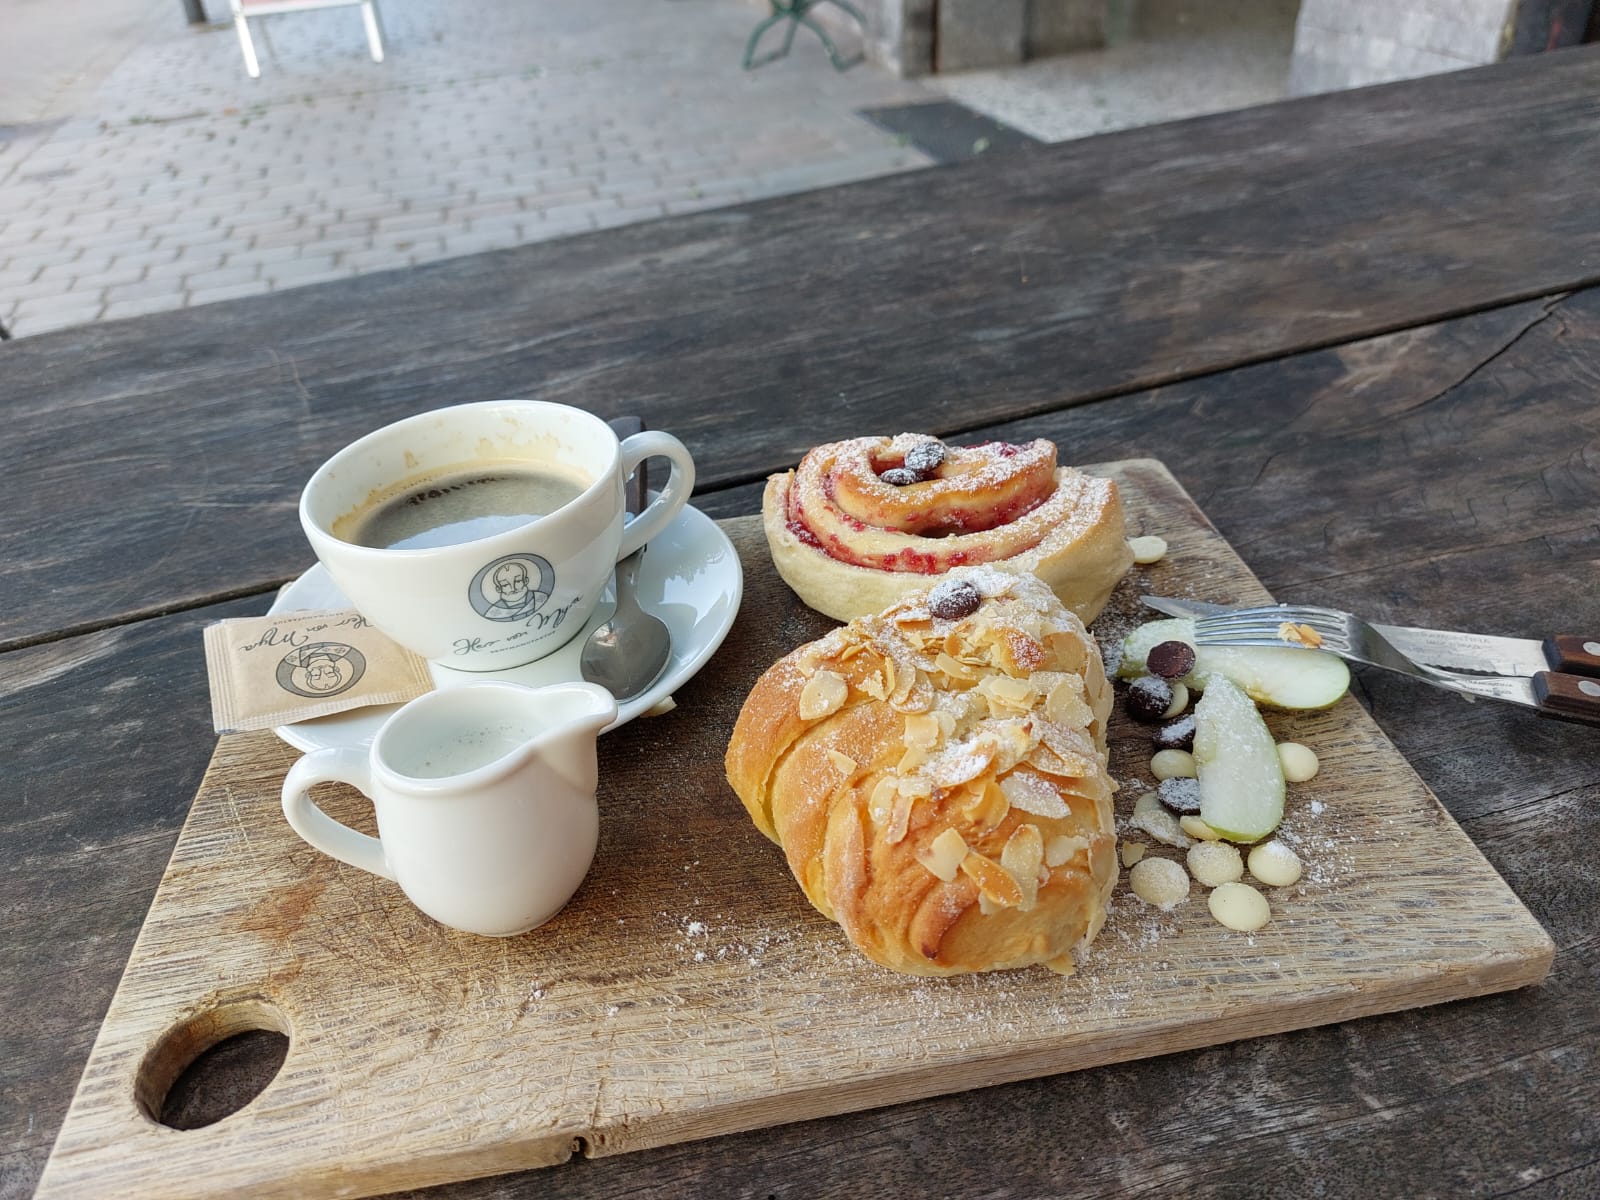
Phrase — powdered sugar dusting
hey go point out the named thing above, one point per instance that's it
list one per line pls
(1033, 794)
(988, 580)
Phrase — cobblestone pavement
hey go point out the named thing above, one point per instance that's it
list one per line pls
(492, 123)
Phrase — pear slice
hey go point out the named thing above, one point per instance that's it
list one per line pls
(1241, 777)
(1279, 677)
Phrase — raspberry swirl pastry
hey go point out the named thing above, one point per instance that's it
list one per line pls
(862, 523)
(936, 776)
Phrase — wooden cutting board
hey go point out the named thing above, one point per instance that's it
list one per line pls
(689, 990)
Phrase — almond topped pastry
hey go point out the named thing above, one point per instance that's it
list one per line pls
(861, 523)
(936, 776)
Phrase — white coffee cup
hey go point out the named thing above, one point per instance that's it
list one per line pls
(485, 799)
(516, 595)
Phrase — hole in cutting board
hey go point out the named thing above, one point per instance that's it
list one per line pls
(212, 1064)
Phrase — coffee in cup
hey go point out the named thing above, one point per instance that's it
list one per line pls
(447, 508)
(481, 536)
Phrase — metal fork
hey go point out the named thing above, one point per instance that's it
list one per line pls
(1350, 638)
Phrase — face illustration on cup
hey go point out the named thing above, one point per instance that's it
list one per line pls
(485, 800)
(482, 535)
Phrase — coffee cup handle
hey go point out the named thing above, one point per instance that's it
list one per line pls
(659, 513)
(340, 764)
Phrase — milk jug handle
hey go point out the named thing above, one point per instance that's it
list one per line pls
(333, 765)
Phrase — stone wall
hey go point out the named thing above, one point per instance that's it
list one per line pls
(899, 34)
(994, 33)
(1351, 43)
(907, 36)
(1338, 43)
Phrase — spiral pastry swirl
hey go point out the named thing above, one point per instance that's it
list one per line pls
(862, 523)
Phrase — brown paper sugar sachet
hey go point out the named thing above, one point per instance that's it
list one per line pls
(268, 671)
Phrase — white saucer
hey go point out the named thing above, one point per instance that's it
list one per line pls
(690, 577)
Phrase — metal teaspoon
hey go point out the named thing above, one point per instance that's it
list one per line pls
(628, 653)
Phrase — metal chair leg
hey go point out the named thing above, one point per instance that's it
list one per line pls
(797, 13)
(369, 18)
(251, 66)
(751, 63)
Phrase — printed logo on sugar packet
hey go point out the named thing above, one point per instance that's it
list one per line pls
(320, 669)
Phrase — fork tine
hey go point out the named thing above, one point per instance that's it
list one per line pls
(1273, 643)
(1236, 623)
(1261, 627)
(1332, 644)
(1317, 618)
(1253, 621)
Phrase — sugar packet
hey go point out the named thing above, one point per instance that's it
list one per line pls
(274, 670)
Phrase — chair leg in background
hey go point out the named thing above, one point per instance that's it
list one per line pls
(251, 66)
(797, 13)
(369, 18)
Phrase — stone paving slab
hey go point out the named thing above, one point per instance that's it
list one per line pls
(53, 53)
(492, 123)
(1180, 58)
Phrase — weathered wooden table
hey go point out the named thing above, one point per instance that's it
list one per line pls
(1362, 329)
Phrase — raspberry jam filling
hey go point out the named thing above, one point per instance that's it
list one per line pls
(919, 561)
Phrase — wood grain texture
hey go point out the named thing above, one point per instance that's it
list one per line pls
(689, 990)
(1445, 476)
(155, 463)
(1489, 1097)
(102, 741)
(1572, 653)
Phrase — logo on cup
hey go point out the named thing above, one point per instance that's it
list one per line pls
(512, 587)
(320, 669)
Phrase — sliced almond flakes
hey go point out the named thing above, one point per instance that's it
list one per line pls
(1063, 849)
(993, 880)
(914, 758)
(922, 729)
(955, 669)
(899, 819)
(1022, 855)
(824, 694)
(881, 804)
(944, 854)
(1033, 793)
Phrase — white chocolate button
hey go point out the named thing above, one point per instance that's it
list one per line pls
(1180, 701)
(1299, 762)
(1215, 863)
(1173, 764)
(1147, 549)
(1274, 864)
(1196, 828)
(1239, 907)
(1159, 881)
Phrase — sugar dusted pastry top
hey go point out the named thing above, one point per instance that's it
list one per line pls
(936, 776)
(863, 522)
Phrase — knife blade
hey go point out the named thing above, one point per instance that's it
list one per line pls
(1483, 653)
